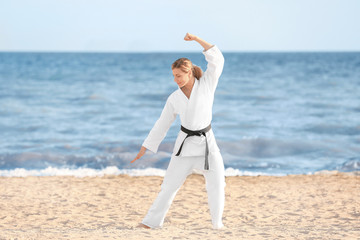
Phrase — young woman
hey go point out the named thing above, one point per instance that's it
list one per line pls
(195, 146)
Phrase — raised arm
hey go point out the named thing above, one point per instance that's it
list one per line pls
(214, 58)
(203, 43)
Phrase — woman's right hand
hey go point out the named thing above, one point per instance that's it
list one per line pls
(140, 154)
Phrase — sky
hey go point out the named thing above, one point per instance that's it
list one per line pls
(160, 25)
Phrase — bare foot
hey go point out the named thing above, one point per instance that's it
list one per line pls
(143, 226)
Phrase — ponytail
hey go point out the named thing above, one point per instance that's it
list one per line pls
(197, 72)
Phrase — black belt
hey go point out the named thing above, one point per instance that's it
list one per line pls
(197, 133)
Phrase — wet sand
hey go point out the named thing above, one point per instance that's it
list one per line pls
(324, 206)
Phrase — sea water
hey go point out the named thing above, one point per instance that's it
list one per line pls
(87, 114)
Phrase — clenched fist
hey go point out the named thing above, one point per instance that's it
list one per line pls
(190, 37)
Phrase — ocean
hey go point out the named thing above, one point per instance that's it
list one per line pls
(87, 114)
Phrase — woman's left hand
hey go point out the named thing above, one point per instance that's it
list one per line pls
(190, 37)
(204, 44)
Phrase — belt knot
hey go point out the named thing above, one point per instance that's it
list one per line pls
(197, 133)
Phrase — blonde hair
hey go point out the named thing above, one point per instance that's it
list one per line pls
(186, 65)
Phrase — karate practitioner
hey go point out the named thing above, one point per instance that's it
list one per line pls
(195, 146)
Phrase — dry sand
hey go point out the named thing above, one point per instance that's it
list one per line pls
(292, 207)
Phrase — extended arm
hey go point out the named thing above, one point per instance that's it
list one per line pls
(203, 43)
(158, 132)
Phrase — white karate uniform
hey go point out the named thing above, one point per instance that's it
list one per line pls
(195, 114)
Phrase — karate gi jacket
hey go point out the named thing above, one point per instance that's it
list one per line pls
(195, 113)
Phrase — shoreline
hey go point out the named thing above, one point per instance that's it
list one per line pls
(324, 205)
(113, 170)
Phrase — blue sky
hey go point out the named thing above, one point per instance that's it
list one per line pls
(160, 25)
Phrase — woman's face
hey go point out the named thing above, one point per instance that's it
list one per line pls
(180, 77)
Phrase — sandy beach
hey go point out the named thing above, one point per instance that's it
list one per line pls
(323, 206)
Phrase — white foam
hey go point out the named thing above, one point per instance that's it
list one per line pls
(81, 172)
(89, 172)
(231, 172)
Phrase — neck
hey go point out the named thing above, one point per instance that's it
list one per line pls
(189, 85)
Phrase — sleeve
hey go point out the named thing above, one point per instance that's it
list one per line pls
(161, 127)
(214, 68)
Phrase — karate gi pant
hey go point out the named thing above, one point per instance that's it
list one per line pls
(179, 168)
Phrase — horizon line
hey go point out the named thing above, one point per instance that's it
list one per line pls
(165, 51)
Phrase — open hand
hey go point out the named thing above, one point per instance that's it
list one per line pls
(140, 154)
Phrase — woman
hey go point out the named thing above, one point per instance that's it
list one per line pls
(195, 146)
